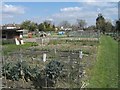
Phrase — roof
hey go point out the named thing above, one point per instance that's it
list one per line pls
(10, 27)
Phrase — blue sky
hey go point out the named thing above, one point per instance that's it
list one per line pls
(16, 12)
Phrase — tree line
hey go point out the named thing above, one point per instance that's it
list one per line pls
(32, 26)
(102, 24)
(106, 25)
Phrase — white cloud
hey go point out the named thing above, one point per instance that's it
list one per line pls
(50, 19)
(111, 13)
(69, 9)
(113, 10)
(89, 16)
(88, 11)
(11, 9)
(101, 4)
(7, 16)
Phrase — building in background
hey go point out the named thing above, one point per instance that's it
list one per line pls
(10, 31)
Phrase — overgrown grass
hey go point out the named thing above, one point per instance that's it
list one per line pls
(13, 47)
(105, 72)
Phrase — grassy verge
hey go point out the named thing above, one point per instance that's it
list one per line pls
(105, 71)
(12, 47)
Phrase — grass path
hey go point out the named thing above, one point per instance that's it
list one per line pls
(105, 71)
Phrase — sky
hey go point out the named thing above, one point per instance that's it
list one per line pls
(17, 12)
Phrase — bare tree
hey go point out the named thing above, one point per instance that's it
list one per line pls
(81, 23)
(65, 24)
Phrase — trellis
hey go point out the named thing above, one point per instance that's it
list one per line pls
(84, 34)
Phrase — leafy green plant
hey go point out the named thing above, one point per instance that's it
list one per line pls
(6, 70)
(34, 44)
(35, 73)
(20, 70)
(86, 52)
(54, 69)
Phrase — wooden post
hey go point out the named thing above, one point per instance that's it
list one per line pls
(80, 54)
(42, 41)
(44, 57)
(22, 42)
(55, 51)
(17, 42)
(21, 39)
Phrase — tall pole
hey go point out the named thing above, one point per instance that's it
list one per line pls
(46, 80)
(69, 71)
(4, 62)
(79, 69)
